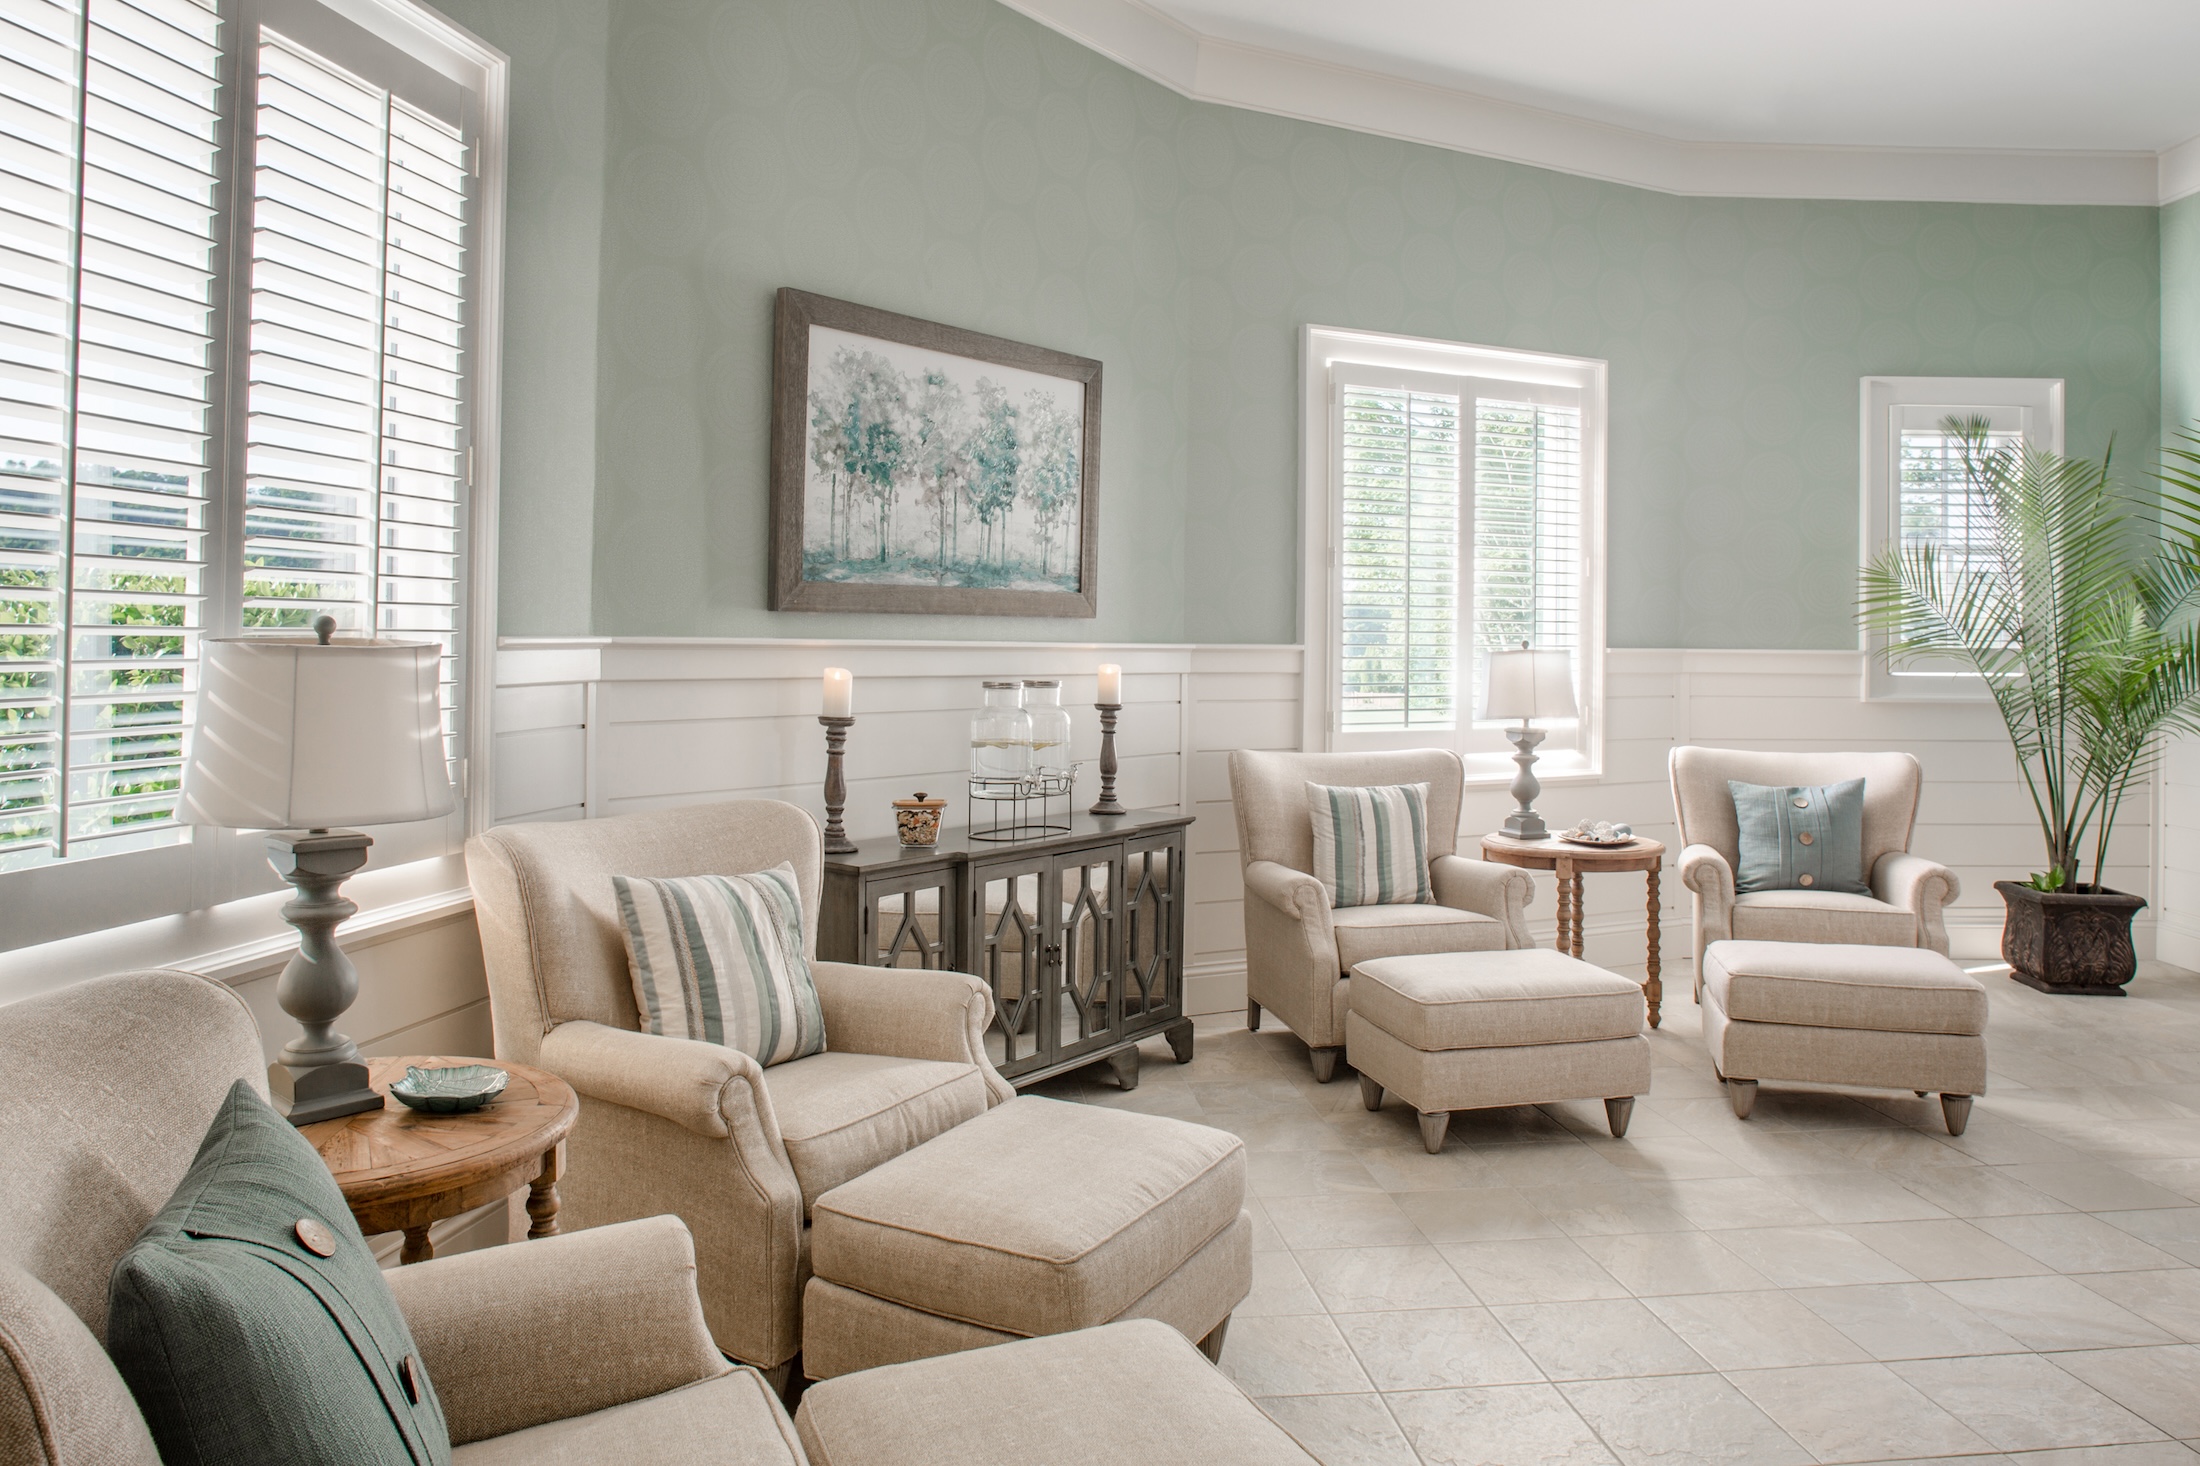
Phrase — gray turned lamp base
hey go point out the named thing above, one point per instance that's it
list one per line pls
(1524, 823)
(320, 1076)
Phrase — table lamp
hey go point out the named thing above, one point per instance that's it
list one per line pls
(1527, 684)
(299, 737)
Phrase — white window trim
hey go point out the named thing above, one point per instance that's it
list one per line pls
(1322, 348)
(2031, 405)
(210, 871)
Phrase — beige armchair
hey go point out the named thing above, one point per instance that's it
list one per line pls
(737, 1151)
(536, 1350)
(1908, 891)
(1299, 951)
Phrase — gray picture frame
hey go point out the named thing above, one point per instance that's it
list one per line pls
(797, 313)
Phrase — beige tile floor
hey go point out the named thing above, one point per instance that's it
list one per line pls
(1834, 1280)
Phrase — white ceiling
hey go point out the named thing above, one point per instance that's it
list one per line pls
(2101, 75)
(2020, 101)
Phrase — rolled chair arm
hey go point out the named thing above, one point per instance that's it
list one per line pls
(1923, 886)
(1292, 892)
(704, 1087)
(908, 1014)
(546, 1330)
(1485, 886)
(1710, 880)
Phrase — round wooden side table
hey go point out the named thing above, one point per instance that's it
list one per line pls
(403, 1169)
(1570, 863)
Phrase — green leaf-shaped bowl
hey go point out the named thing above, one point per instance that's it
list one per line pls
(451, 1091)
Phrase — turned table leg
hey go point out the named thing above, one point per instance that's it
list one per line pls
(1564, 877)
(542, 1196)
(417, 1247)
(1653, 991)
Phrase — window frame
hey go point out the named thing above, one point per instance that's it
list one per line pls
(210, 866)
(2033, 406)
(1329, 357)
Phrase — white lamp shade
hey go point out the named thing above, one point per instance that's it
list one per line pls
(1530, 684)
(293, 735)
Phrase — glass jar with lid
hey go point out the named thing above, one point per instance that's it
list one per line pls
(1050, 728)
(1000, 734)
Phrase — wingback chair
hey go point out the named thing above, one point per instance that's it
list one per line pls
(537, 1350)
(737, 1151)
(1907, 891)
(1299, 951)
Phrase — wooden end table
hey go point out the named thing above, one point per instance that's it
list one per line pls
(401, 1169)
(1570, 863)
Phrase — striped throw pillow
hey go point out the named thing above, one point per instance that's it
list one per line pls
(719, 958)
(1371, 844)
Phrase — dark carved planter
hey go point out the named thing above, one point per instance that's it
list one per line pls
(2075, 941)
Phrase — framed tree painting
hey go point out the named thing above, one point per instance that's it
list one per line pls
(920, 467)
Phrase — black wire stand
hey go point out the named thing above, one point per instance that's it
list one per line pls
(1020, 807)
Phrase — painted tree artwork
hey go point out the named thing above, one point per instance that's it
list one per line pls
(937, 469)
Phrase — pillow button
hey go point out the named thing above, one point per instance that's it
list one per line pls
(1805, 879)
(1801, 802)
(408, 1374)
(1804, 837)
(316, 1238)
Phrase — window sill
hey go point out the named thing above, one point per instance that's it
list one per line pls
(239, 941)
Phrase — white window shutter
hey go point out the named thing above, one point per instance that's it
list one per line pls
(1527, 530)
(1398, 573)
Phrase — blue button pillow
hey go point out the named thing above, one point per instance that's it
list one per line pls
(251, 1323)
(1802, 838)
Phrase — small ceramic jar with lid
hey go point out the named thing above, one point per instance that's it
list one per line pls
(917, 820)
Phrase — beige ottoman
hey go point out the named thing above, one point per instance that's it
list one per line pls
(1130, 1394)
(1827, 1013)
(1471, 1030)
(1037, 1217)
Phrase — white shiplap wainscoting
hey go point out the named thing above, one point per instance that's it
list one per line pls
(594, 727)
(2177, 901)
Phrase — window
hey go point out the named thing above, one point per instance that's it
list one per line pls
(1453, 502)
(240, 254)
(1916, 490)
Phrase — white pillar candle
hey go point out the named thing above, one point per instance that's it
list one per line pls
(1111, 683)
(840, 693)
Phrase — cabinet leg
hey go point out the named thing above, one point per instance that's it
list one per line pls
(1180, 1040)
(1124, 1062)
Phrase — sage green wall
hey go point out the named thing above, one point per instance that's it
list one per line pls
(553, 233)
(2181, 316)
(956, 161)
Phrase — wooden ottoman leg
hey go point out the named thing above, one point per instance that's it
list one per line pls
(1325, 1063)
(1957, 1110)
(1433, 1129)
(1743, 1092)
(1617, 1112)
(1371, 1093)
(1211, 1346)
(1252, 1016)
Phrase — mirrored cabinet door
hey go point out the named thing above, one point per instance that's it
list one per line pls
(1088, 948)
(911, 923)
(1010, 946)
(1153, 932)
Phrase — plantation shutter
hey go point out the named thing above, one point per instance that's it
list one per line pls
(109, 171)
(1398, 577)
(1935, 503)
(1527, 529)
(355, 460)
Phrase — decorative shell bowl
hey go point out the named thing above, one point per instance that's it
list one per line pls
(1598, 832)
(451, 1091)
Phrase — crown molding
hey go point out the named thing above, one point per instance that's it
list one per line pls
(1262, 80)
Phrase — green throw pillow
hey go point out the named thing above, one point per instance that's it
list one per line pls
(252, 1324)
(1805, 838)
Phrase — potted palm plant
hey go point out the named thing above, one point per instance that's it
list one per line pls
(2077, 609)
